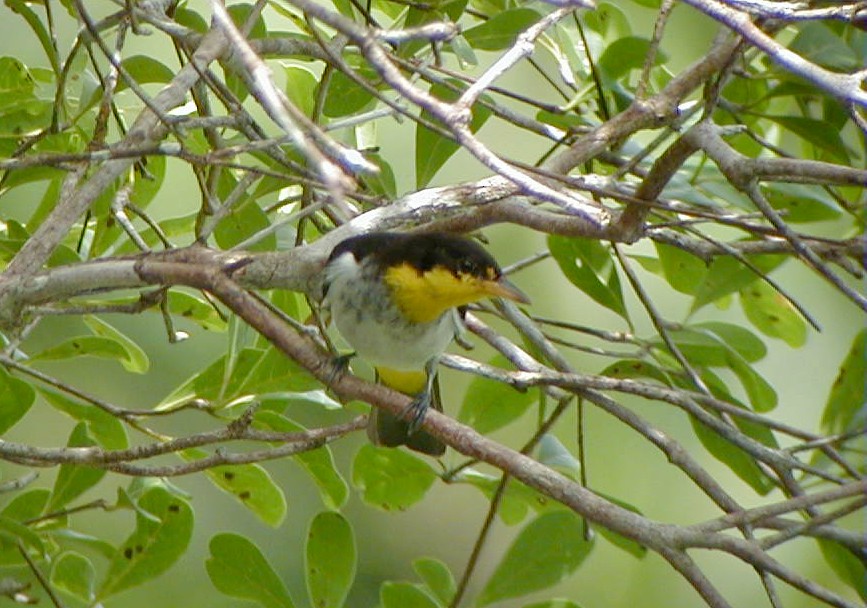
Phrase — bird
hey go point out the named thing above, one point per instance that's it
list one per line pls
(399, 300)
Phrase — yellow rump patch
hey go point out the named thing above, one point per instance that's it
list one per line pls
(410, 383)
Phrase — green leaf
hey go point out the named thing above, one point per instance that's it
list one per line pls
(383, 182)
(553, 454)
(815, 132)
(391, 479)
(547, 550)
(13, 532)
(275, 372)
(318, 463)
(404, 595)
(802, 202)
(609, 20)
(627, 544)
(164, 525)
(501, 30)
(772, 314)
(238, 569)
(344, 96)
(489, 405)
(45, 40)
(742, 464)
(743, 341)
(73, 480)
(241, 13)
(195, 309)
(847, 566)
(432, 150)
(74, 574)
(253, 372)
(250, 484)
(27, 505)
(136, 360)
(554, 603)
(636, 368)
(102, 426)
(93, 346)
(727, 275)
(437, 577)
(330, 560)
(16, 398)
(21, 110)
(245, 220)
(588, 265)
(683, 271)
(847, 395)
(626, 54)
(301, 85)
(820, 44)
(518, 499)
(761, 394)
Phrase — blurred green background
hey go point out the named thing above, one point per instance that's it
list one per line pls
(446, 523)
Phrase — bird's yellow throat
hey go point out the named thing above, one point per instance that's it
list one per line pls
(423, 296)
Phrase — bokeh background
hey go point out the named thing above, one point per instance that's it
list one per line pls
(446, 523)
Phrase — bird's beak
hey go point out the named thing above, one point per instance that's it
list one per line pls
(502, 288)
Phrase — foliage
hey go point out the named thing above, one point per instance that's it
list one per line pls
(657, 190)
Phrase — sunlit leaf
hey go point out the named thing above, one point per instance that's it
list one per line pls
(329, 559)
(437, 577)
(102, 426)
(727, 275)
(391, 479)
(136, 360)
(250, 484)
(73, 573)
(489, 405)
(164, 525)
(847, 397)
(16, 398)
(433, 150)
(404, 595)
(546, 551)
(318, 463)
(238, 569)
(588, 265)
(73, 479)
(772, 314)
(501, 30)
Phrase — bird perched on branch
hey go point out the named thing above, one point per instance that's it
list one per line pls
(399, 300)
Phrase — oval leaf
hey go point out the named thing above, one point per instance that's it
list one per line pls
(164, 525)
(251, 484)
(772, 314)
(390, 479)
(588, 265)
(847, 395)
(16, 398)
(330, 560)
(547, 550)
(238, 569)
(74, 574)
(489, 405)
(318, 463)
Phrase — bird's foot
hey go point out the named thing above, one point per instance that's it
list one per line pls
(414, 413)
(339, 365)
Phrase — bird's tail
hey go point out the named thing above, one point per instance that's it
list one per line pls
(388, 430)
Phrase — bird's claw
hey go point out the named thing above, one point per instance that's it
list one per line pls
(339, 365)
(415, 412)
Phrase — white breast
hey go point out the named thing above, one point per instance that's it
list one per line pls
(380, 334)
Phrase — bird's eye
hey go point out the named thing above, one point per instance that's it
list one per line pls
(467, 267)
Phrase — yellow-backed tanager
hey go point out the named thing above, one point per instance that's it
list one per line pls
(398, 300)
